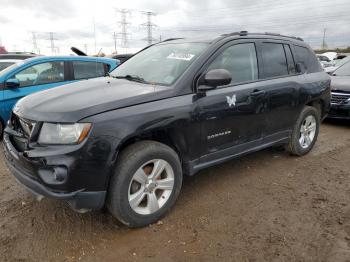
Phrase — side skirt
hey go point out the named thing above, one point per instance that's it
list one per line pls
(192, 167)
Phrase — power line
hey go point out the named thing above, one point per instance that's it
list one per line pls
(149, 26)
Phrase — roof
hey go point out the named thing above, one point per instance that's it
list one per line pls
(73, 58)
(17, 56)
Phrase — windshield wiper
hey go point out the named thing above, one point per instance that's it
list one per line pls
(132, 78)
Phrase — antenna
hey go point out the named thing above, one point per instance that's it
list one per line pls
(149, 26)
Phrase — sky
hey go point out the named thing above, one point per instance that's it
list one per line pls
(78, 23)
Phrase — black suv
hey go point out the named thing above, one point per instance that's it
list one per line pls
(127, 139)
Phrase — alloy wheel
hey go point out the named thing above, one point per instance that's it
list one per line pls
(151, 186)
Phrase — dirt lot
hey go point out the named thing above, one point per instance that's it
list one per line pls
(267, 206)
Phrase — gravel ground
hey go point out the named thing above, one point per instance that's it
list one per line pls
(267, 206)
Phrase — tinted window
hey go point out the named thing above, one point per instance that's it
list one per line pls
(307, 59)
(45, 73)
(240, 60)
(274, 60)
(84, 70)
(290, 60)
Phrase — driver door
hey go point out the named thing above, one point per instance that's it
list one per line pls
(232, 116)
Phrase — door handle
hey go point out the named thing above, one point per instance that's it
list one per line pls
(258, 93)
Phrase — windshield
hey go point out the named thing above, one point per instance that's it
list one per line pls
(160, 64)
(343, 70)
(4, 65)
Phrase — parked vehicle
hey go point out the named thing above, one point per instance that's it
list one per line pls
(337, 64)
(4, 63)
(325, 61)
(122, 57)
(42, 72)
(126, 140)
(340, 102)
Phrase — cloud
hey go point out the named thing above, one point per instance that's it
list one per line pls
(72, 21)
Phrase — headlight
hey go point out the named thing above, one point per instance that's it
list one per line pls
(63, 133)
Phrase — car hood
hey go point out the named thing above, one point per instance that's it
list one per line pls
(340, 83)
(75, 101)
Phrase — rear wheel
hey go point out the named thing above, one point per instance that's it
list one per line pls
(305, 132)
(146, 183)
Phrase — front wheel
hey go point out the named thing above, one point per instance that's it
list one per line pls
(305, 132)
(146, 183)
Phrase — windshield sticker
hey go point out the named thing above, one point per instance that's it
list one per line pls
(181, 56)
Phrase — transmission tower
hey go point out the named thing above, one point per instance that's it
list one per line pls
(54, 49)
(324, 44)
(35, 44)
(115, 41)
(124, 35)
(149, 26)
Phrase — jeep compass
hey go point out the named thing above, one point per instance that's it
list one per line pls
(125, 141)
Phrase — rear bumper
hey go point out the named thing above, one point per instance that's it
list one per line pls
(26, 172)
(339, 111)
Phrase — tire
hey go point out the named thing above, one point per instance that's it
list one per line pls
(129, 183)
(298, 146)
(1, 129)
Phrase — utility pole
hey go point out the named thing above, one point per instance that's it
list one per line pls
(95, 41)
(124, 27)
(54, 49)
(324, 44)
(149, 26)
(35, 44)
(115, 41)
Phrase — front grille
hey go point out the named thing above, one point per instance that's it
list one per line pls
(21, 125)
(23, 129)
(340, 98)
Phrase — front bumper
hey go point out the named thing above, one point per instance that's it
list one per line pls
(35, 173)
(341, 111)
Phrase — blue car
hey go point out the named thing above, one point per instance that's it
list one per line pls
(43, 72)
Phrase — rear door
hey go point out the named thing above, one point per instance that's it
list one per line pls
(34, 78)
(282, 85)
(232, 116)
(89, 69)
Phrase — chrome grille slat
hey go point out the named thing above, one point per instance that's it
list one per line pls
(339, 98)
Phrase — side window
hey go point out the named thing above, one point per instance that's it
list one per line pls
(240, 60)
(274, 60)
(85, 70)
(308, 59)
(290, 60)
(40, 74)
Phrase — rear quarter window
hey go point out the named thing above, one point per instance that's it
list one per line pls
(307, 59)
(274, 60)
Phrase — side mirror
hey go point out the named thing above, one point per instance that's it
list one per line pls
(299, 68)
(12, 83)
(215, 78)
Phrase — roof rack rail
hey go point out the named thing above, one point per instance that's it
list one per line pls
(171, 39)
(245, 33)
